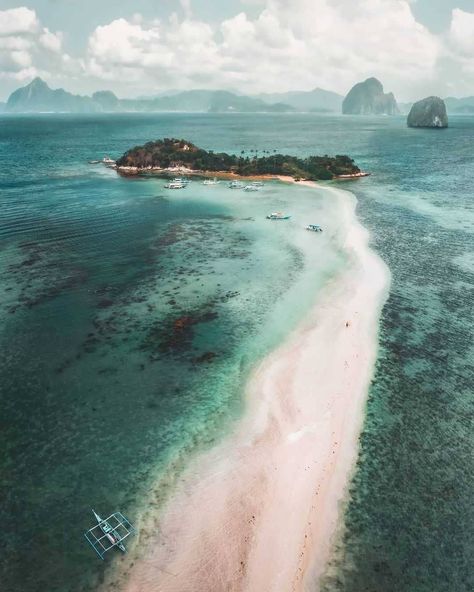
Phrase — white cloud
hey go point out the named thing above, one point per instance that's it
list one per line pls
(28, 49)
(301, 44)
(51, 41)
(18, 21)
(278, 45)
(178, 49)
(458, 53)
(461, 33)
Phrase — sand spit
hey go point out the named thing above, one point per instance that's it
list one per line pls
(259, 511)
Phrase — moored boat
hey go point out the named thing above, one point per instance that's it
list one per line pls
(109, 532)
(314, 228)
(211, 181)
(236, 185)
(108, 161)
(251, 188)
(175, 185)
(278, 216)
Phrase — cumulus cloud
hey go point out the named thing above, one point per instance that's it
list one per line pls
(183, 50)
(457, 66)
(18, 21)
(303, 43)
(461, 33)
(278, 45)
(26, 47)
(51, 41)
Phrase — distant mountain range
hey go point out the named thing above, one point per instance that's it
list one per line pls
(37, 96)
(317, 100)
(464, 105)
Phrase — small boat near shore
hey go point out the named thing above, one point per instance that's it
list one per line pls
(109, 533)
(108, 161)
(175, 185)
(211, 181)
(183, 180)
(236, 185)
(251, 188)
(314, 228)
(278, 216)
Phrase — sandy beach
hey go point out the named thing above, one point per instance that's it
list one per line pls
(259, 511)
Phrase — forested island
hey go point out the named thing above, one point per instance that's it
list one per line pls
(171, 154)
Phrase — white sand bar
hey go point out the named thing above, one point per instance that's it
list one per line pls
(259, 511)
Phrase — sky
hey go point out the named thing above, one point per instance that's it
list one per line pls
(145, 47)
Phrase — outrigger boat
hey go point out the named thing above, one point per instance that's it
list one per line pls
(278, 216)
(182, 180)
(251, 188)
(257, 183)
(211, 181)
(314, 228)
(109, 533)
(175, 185)
(236, 185)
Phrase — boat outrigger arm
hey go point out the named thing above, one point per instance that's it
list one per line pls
(109, 533)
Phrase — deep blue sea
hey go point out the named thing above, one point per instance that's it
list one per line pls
(130, 319)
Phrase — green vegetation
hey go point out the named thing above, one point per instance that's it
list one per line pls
(181, 153)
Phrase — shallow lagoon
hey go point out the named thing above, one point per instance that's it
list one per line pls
(85, 254)
(131, 318)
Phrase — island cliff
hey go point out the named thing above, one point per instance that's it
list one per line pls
(368, 98)
(429, 112)
(172, 154)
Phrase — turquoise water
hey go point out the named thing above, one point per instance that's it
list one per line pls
(131, 318)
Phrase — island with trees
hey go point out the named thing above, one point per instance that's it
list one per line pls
(172, 155)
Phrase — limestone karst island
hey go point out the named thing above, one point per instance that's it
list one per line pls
(368, 98)
(429, 112)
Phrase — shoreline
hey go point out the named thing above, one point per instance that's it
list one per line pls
(125, 171)
(260, 510)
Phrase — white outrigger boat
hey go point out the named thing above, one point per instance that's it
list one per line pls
(175, 185)
(251, 187)
(109, 533)
(257, 183)
(278, 216)
(211, 181)
(236, 185)
(183, 180)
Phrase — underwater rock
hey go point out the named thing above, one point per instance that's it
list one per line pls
(206, 357)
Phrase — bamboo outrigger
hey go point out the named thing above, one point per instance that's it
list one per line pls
(109, 533)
